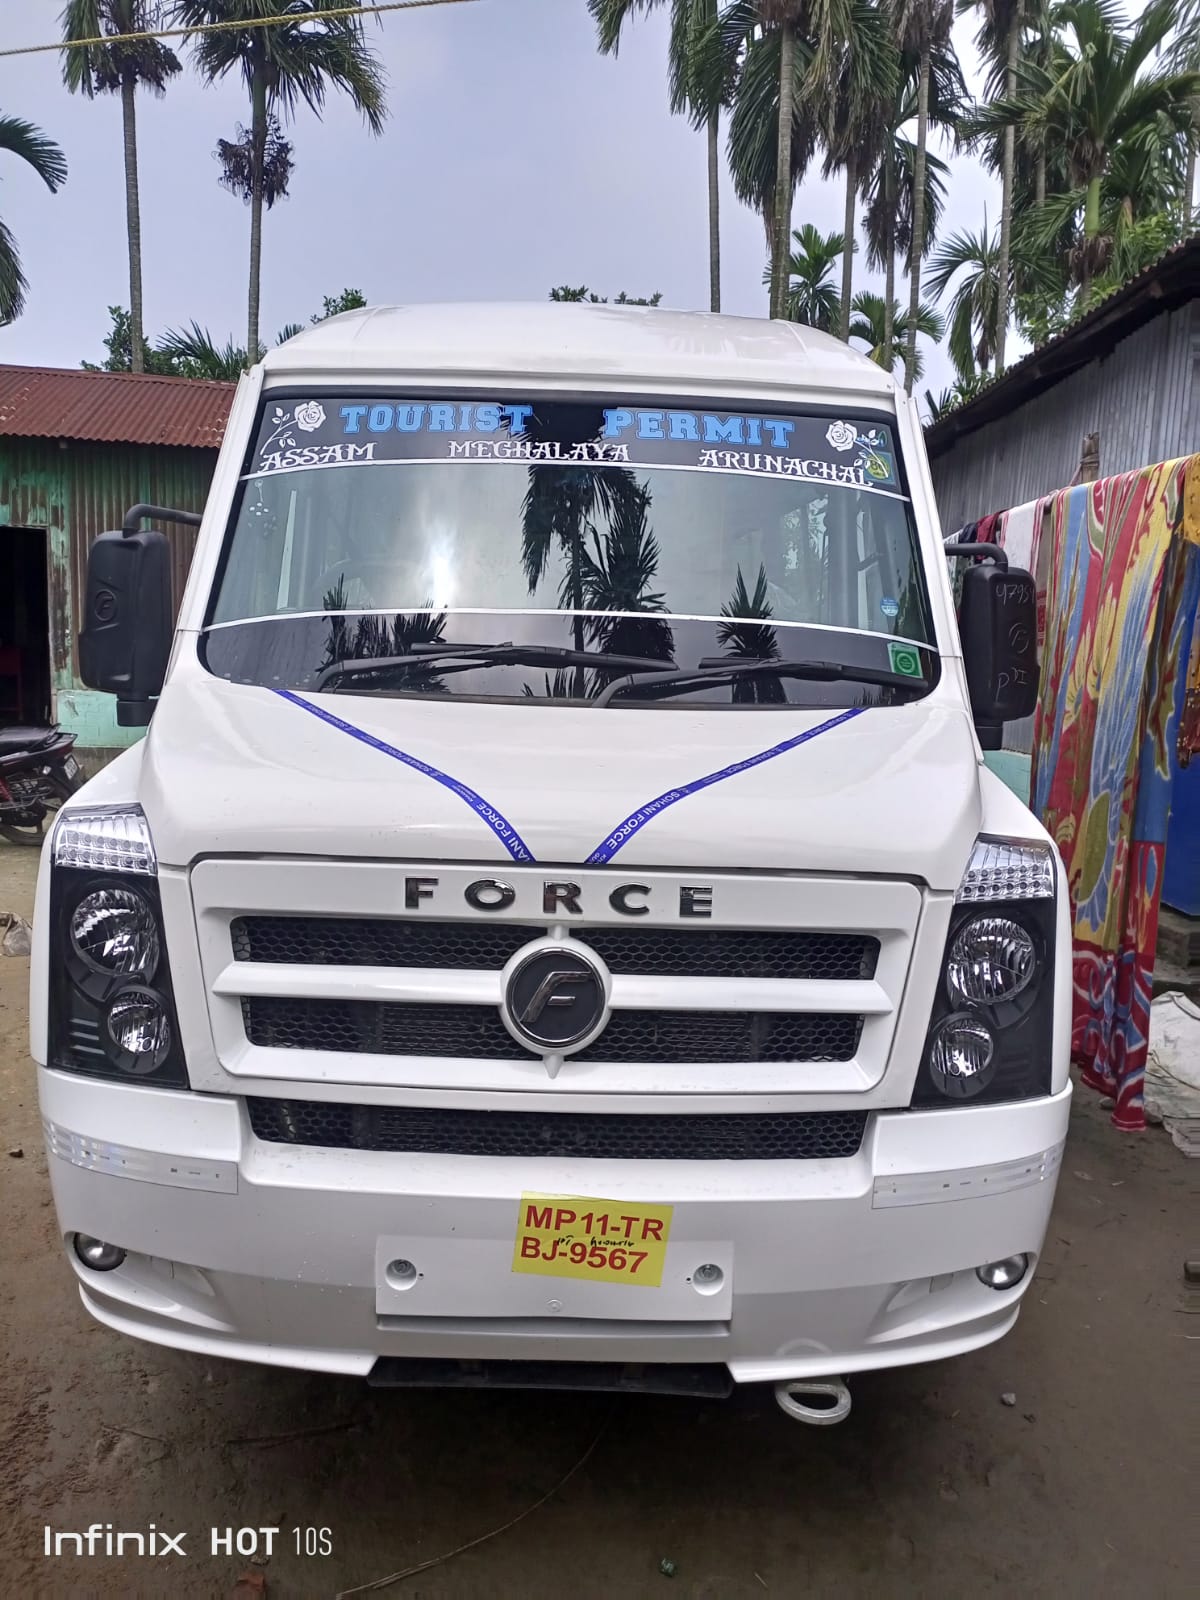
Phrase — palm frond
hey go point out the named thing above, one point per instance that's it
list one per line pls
(26, 140)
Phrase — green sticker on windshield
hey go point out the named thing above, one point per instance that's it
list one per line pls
(906, 660)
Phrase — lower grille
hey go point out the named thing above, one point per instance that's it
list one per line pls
(748, 1136)
(387, 1028)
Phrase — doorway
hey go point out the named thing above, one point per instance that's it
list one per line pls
(24, 627)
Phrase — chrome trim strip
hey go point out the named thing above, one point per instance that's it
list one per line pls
(966, 1183)
(147, 1166)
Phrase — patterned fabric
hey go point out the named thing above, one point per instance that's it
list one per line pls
(1122, 588)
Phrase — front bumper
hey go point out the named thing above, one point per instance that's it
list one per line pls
(276, 1253)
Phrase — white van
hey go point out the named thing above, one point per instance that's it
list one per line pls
(559, 927)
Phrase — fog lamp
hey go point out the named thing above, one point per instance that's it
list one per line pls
(1004, 1274)
(96, 1254)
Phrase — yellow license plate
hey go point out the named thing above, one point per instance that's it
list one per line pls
(601, 1241)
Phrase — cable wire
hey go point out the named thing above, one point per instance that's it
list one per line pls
(222, 27)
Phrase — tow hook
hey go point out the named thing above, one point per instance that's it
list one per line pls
(818, 1401)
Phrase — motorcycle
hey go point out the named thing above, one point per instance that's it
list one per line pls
(37, 773)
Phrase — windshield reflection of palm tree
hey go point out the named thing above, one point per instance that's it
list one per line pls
(617, 579)
(751, 640)
(562, 507)
(371, 635)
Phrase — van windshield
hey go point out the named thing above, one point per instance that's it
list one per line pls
(379, 528)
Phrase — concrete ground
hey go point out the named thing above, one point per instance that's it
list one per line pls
(934, 1487)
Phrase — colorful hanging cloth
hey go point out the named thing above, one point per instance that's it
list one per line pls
(1123, 580)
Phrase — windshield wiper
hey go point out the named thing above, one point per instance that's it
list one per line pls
(726, 669)
(466, 657)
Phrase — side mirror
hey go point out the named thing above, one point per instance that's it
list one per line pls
(998, 624)
(128, 624)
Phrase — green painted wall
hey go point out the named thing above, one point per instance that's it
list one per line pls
(76, 491)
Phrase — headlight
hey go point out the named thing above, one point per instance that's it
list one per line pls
(138, 1025)
(992, 959)
(113, 932)
(991, 1027)
(961, 1055)
(111, 999)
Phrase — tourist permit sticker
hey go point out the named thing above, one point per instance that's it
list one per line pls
(604, 1241)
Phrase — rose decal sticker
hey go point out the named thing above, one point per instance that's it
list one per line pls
(309, 416)
(842, 435)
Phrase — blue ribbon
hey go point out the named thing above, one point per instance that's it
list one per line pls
(500, 826)
(636, 820)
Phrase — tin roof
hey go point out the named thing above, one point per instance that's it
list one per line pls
(112, 407)
(1167, 283)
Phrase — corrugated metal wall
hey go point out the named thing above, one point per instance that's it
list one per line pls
(103, 481)
(76, 491)
(1143, 399)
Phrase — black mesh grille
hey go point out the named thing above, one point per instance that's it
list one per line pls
(654, 952)
(378, 941)
(749, 1136)
(385, 1028)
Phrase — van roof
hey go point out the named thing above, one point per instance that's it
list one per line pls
(641, 344)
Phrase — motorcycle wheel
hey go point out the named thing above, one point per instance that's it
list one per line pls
(26, 833)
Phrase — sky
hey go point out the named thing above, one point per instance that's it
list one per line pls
(514, 158)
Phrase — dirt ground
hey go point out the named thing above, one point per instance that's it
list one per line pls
(933, 1487)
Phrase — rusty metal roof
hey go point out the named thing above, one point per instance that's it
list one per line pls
(1171, 281)
(112, 407)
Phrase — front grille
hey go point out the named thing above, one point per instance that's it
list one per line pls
(749, 1136)
(386, 1028)
(651, 952)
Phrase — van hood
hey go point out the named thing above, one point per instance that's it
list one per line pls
(231, 769)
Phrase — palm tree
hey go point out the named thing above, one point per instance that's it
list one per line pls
(784, 17)
(811, 296)
(121, 69)
(753, 144)
(748, 634)
(869, 324)
(889, 186)
(975, 310)
(300, 58)
(1185, 57)
(23, 139)
(618, 574)
(561, 510)
(1096, 95)
(921, 26)
(691, 20)
(865, 75)
(999, 42)
(192, 352)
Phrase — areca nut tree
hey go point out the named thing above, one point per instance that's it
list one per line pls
(1185, 57)
(121, 67)
(823, 31)
(753, 141)
(23, 139)
(999, 40)
(921, 26)
(888, 189)
(975, 309)
(811, 295)
(868, 324)
(691, 25)
(310, 47)
(865, 75)
(1098, 93)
